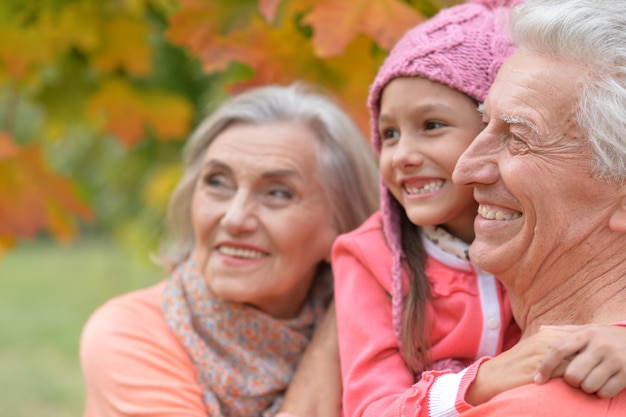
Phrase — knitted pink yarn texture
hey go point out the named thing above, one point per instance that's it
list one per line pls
(462, 47)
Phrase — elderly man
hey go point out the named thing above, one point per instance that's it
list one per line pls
(549, 174)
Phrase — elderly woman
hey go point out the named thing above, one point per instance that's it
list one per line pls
(271, 179)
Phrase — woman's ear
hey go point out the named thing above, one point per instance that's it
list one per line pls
(617, 222)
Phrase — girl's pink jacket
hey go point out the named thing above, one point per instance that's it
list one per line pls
(469, 318)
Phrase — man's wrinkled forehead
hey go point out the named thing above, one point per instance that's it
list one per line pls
(533, 91)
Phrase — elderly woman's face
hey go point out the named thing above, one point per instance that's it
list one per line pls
(531, 171)
(261, 221)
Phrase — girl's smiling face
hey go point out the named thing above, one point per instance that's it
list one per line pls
(425, 126)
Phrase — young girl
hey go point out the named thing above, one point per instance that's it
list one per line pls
(407, 297)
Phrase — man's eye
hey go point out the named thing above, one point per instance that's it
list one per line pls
(518, 145)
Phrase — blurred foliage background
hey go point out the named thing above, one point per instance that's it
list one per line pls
(96, 100)
(97, 97)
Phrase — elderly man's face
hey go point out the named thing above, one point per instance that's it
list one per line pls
(531, 171)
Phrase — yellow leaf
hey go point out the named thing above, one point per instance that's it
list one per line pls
(161, 184)
(70, 23)
(21, 49)
(6, 243)
(337, 22)
(124, 44)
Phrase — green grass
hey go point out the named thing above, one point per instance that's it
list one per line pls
(47, 291)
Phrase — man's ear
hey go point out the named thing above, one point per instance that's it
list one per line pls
(617, 222)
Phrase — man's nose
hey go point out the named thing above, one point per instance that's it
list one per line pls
(476, 165)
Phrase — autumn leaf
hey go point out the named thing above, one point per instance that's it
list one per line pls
(124, 44)
(8, 149)
(337, 22)
(21, 50)
(161, 183)
(33, 198)
(348, 83)
(128, 113)
(198, 23)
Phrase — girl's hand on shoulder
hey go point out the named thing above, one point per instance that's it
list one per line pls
(514, 367)
(591, 357)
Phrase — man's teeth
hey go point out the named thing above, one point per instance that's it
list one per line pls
(492, 214)
(240, 252)
(428, 188)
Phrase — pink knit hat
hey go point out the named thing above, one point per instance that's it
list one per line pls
(461, 47)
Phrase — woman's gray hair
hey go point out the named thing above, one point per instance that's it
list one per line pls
(590, 33)
(347, 169)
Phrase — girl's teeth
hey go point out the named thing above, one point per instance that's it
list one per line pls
(428, 188)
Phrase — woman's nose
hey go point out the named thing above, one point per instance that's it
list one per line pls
(240, 214)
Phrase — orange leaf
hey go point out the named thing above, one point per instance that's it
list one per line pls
(278, 54)
(7, 147)
(337, 22)
(33, 198)
(197, 23)
(118, 105)
(128, 113)
(169, 115)
(349, 85)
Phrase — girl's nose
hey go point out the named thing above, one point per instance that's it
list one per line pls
(407, 154)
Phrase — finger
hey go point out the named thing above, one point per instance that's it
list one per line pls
(542, 377)
(559, 352)
(588, 372)
(598, 378)
(613, 386)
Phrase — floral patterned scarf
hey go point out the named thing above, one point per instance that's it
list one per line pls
(244, 358)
